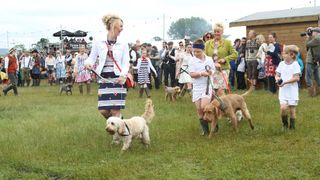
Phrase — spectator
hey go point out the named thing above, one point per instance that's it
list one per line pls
(252, 48)
(162, 54)
(185, 78)
(313, 60)
(155, 60)
(272, 61)
(26, 65)
(241, 65)
(35, 68)
(170, 66)
(179, 56)
(261, 57)
(233, 64)
(60, 67)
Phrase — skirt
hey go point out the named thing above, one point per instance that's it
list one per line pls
(83, 76)
(143, 76)
(220, 79)
(110, 95)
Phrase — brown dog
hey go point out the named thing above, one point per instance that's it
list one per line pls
(172, 92)
(232, 103)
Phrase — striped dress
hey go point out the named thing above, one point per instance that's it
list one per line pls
(143, 72)
(110, 95)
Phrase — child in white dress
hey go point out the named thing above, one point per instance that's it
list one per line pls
(144, 65)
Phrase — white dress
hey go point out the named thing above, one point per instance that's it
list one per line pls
(184, 70)
(199, 87)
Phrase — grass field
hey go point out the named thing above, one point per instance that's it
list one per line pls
(47, 136)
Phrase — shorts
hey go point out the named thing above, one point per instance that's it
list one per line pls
(252, 70)
(289, 102)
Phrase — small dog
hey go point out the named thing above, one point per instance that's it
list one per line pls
(172, 92)
(232, 102)
(128, 129)
(67, 88)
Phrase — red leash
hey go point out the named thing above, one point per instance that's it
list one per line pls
(225, 82)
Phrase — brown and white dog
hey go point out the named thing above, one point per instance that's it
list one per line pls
(126, 130)
(232, 103)
(172, 92)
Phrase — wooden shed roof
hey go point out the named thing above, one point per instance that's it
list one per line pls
(279, 17)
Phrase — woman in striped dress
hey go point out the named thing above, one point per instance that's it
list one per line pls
(113, 65)
(144, 65)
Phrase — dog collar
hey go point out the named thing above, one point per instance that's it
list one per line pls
(127, 133)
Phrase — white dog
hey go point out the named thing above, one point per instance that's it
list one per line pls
(127, 129)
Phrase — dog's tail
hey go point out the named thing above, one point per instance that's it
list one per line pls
(148, 111)
(247, 92)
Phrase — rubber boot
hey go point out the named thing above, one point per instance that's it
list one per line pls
(284, 122)
(204, 127)
(81, 89)
(88, 89)
(292, 123)
(22, 83)
(310, 91)
(147, 92)
(141, 92)
(317, 91)
(28, 83)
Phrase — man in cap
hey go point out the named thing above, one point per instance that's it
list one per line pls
(11, 66)
(313, 60)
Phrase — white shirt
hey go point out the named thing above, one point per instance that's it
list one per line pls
(289, 91)
(197, 65)
(120, 52)
(50, 62)
(26, 62)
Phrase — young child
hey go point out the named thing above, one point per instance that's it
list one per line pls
(144, 65)
(287, 77)
(201, 90)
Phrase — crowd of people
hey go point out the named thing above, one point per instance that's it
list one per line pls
(249, 62)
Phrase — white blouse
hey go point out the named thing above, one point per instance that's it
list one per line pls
(120, 52)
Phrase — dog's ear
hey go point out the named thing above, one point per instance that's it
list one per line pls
(121, 128)
(215, 103)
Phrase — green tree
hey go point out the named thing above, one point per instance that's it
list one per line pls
(20, 47)
(42, 43)
(193, 27)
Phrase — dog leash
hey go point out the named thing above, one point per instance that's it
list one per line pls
(222, 104)
(104, 80)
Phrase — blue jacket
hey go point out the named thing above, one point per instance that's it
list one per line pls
(299, 59)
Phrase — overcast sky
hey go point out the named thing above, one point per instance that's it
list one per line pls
(26, 21)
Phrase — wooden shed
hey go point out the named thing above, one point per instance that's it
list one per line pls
(287, 24)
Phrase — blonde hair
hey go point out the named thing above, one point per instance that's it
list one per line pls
(292, 50)
(110, 20)
(260, 38)
(218, 26)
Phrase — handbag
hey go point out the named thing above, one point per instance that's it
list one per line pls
(129, 81)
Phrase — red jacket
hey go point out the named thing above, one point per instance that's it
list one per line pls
(12, 65)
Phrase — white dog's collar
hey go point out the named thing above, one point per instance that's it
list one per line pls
(127, 130)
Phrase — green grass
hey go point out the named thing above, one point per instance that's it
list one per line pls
(47, 136)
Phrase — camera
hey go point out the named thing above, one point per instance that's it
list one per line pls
(308, 32)
(279, 82)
